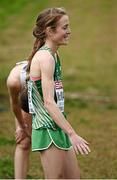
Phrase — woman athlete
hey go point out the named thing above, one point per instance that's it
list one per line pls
(52, 135)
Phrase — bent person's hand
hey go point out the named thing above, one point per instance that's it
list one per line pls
(20, 134)
(79, 144)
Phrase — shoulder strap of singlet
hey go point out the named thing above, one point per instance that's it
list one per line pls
(23, 74)
(21, 62)
(49, 49)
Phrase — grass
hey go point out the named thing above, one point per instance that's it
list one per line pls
(89, 66)
(6, 165)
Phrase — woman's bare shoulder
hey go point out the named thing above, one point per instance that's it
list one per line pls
(43, 56)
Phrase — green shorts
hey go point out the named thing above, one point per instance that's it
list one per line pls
(43, 138)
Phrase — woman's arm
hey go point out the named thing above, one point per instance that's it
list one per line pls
(47, 66)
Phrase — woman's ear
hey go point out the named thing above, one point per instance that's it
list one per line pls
(49, 31)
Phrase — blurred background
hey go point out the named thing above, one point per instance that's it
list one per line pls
(90, 70)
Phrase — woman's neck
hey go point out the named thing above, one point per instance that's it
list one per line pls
(52, 46)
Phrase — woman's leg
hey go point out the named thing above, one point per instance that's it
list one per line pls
(71, 166)
(22, 151)
(53, 162)
(59, 164)
(21, 162)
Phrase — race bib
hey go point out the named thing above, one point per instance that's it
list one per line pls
(59, 95)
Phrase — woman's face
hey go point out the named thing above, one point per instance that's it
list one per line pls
(61, 35)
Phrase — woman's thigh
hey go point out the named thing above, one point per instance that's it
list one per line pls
(58, 163)
(72, 170)
(53, 162)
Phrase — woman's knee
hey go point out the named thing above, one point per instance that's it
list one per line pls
(25, 144)
(55, 174)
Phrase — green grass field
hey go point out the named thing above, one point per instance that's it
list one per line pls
(89, 68)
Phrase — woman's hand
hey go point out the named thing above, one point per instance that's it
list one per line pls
(79, 144)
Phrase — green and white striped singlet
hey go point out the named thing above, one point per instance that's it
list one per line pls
(44, 129)
(40, 116)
